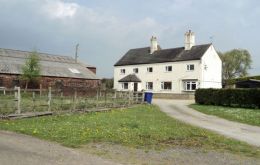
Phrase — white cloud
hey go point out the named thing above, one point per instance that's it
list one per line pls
(59, 9)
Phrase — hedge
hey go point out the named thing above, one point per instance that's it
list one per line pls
(246, 98)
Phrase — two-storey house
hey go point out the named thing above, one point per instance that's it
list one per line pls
(175, 70)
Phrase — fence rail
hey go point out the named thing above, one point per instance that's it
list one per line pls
(16, 102)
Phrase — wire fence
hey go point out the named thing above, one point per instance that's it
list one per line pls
(15, 101)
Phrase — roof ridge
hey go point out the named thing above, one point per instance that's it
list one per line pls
(171, 48)
(37, 52)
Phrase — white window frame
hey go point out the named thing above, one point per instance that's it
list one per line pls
(125, 85)
(187, 85)
(168, 68)
(136, 70)
(149, 69)
(189, 67)
(149, 85)
(122, 71)
(163, 85)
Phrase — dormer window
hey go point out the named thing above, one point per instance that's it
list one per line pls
(190, 67)
(122, 71)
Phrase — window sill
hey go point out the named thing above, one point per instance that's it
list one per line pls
(188, 90)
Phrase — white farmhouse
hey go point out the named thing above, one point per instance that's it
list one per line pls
(175, 70)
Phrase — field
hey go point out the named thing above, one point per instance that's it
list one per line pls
(143, 126)
(243, 115)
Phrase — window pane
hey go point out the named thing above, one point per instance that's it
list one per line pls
(122, 71)
(193, 86)
(188, 86)
(149, 85)
(149, 69)
(167, 85)
(126, 85)
(191, 67)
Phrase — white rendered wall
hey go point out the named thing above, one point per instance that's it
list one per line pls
(211, 69)
(176, 76)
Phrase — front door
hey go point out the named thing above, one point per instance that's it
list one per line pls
(135, 87)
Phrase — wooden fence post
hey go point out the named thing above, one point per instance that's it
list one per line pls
(18, 98)
(74, 100)
(105, 98)
(33, 101)
(40, 90)
(115, 94)
(97, 99)
(61, 102)
(129, 98)
(49, 99)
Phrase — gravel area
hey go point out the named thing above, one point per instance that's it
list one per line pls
(178, 155)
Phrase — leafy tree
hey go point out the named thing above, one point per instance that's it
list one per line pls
(107, 83)
(31, 69)
(235, 63)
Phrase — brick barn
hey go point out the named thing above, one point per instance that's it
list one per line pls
(60, 72)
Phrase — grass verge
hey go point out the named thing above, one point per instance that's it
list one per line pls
(142, 126)
(243, 115)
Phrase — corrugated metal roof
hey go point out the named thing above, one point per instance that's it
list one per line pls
(143, 56)
(11, 62)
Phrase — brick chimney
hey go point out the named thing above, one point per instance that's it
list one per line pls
(154, 45)
(189, 40)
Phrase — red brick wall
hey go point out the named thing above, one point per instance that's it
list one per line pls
(9, 81)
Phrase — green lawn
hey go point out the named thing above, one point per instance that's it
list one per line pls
(243, 115)
(142, 126)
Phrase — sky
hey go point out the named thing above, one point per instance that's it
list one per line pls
(105, 30)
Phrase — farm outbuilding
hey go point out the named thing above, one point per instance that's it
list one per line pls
(62, 72)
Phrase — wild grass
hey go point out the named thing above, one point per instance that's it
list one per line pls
(8, 105)
(143, 126)
(243, 115)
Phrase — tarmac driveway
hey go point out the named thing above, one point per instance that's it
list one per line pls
(178, 109)
(17, 149)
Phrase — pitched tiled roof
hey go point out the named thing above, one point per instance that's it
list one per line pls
(11, 62)
(143, 56)
(130, 78)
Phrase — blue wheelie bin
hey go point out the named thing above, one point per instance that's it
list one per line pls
(148, 96)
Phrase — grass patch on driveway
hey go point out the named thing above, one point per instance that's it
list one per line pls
(142, 126)
(243, 115)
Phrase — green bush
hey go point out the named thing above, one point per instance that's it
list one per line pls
(247, 98)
